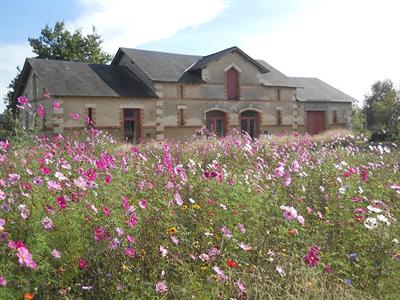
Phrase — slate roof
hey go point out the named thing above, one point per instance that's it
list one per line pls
(275, 77)
(161, 66)
(316, 90)
(204, 61)
(64, 78)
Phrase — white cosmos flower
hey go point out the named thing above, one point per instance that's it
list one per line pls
(371, 223)
(374, 209)
(383, 219)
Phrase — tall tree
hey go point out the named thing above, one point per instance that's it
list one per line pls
(60, 44)
(382, 107)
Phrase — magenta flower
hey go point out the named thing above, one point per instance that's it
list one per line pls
(311, 258)
(161, 287)
(82, 264)
(22, 100)
(132, 220)
(130, 252)
(143, 204)
(130, 239)
(98, 233)
(106, 211)
(62, 203)
(41, 111)
(3, 281)
(25, 258)
(56, 105)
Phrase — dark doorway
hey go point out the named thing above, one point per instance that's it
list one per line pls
(249, 122)
(132, 127)
(215, 122)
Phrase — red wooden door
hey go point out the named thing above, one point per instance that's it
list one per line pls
(232, 83)
(132, 125)
(315, 122)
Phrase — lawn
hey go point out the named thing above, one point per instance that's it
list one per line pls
(204, 218)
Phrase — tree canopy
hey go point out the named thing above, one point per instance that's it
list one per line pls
(60, 44)
(382, 107)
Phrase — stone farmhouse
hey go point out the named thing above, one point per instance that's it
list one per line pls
(146, 95)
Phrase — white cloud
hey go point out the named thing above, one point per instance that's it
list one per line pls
(11, 56)
(349, 44)
(132, 23)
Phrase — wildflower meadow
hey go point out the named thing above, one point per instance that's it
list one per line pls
(87, 217)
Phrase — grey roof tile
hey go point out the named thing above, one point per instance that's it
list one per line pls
(64, 78)
(314, 89)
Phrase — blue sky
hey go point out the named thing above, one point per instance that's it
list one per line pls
(348, 43)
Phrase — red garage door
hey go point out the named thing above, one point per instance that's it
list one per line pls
(315, 122)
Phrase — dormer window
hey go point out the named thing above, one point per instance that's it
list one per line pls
(232, 84)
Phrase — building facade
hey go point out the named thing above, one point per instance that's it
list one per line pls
(146, 95)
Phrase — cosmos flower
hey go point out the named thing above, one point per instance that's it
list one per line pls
(311, 258)
(25, 258)
(56, 254)
(161, 287)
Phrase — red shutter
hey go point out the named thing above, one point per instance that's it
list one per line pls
(233, 83)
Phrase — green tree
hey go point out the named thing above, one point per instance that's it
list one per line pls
(382, 107)
(60, 44)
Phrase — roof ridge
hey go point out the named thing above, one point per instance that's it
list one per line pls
(162, 52)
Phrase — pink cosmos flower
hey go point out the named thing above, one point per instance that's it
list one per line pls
(2, 223)
(287, 178)
(22, 100)
(311, 258)
(25, 258)
(130, 252)
(204, 257)
(289, 213)
(75, 116)
(242, 229)
(45, 170)
(163, 251)
(241, 286)
(226, 232)
(132, 220)
(220, 274)
(47, 223)
(174, 239)
(56, 105)
(143, 204)
(295, 166)
(98, 233)
(279, 171)
(82, 264)
(41, 111)
(130, 239)
(106, 211)
(3, 281)
(61, 201)
(107, 179)
(178, 199)
(161, 287)
(56, 254)
(245, 247)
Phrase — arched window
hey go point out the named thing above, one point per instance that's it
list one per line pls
(249, 122)
(232, 84)
(216, 123)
